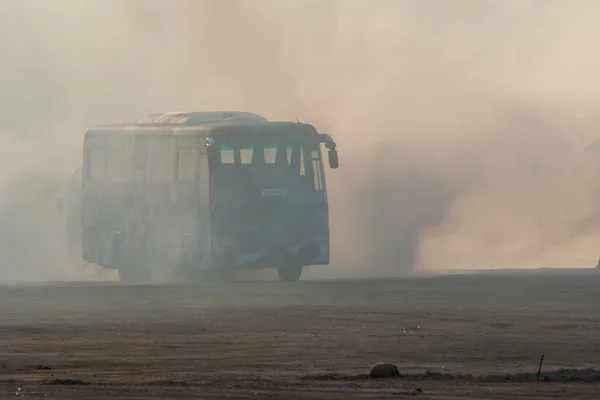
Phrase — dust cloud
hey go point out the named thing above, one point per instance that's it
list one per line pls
(461, 125)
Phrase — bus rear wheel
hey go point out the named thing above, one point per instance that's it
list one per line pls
(289, 272)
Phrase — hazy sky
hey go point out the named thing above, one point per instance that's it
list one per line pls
(460, 123)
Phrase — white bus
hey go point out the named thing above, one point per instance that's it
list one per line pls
(187, 193)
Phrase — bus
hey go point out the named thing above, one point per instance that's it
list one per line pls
(189, 193)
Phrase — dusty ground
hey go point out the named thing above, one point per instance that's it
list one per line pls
(480, 336)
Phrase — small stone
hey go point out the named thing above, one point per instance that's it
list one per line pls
(383, 370)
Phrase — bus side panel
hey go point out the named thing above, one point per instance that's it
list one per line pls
(322, 240)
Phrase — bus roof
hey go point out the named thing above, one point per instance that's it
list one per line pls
(199, 118)
(189, 124)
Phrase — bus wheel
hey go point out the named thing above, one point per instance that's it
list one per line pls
(289, 272)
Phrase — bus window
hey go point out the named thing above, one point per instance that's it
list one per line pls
(270, 153)
(227, 154)
(117, 168)
(139, 178)
(161, 165)
(246, 154)
(96, 162)
(302, 161)
(296, 160)
(141, 146)
(316, 164)
(186, 164)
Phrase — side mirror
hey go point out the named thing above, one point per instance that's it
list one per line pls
(60, 206)
(333, 159)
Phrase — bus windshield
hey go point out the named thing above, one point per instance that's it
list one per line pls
(264, 169)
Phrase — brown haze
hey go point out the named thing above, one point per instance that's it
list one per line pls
(460, 124)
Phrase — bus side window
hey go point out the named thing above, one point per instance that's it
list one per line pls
(186, 164)
(161, 165)
(118, 170)
(141, 147)
(96, 162)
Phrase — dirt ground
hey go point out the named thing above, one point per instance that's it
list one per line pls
(453, 337)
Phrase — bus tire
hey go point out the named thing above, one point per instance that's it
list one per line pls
(289, 272)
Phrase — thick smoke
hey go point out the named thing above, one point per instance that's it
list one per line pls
(460, 125)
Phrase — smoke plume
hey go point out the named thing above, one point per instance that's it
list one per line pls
(461, 125)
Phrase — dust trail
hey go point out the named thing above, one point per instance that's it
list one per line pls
(460, 125)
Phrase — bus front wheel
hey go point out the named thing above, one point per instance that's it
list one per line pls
(290, 272)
